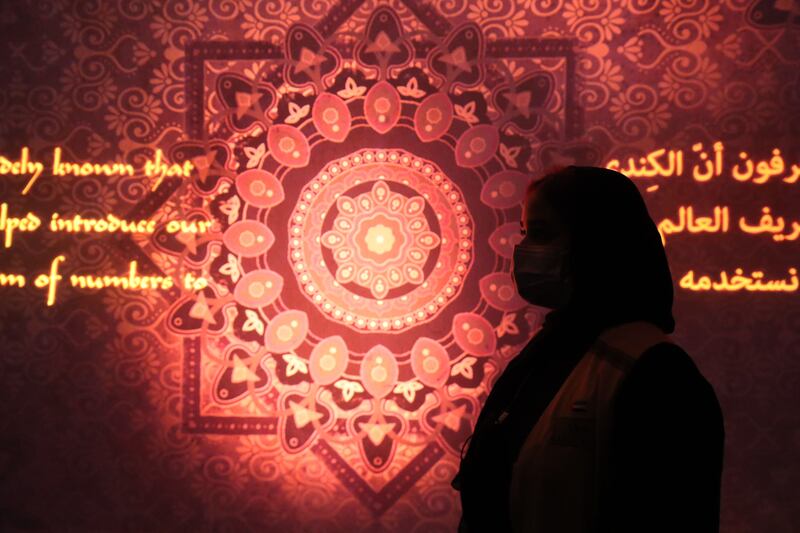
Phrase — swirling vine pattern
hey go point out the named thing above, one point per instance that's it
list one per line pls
(222, 412)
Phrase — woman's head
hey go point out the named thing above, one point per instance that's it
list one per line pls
(590, 230)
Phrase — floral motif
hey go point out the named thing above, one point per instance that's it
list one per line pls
(385, 240)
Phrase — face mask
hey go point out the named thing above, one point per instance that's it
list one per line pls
(537, 273)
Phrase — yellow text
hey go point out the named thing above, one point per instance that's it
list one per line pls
(9, 280)
(50, 280)
(109, 224)
(719, 222)
(130, 281)
(22, 167)
(738, 281)
(666, 163)
(8, 225)
(160, 168)
(65, 168)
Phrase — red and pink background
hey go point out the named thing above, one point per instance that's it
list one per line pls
(363, 164)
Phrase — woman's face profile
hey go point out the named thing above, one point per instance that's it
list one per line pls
(540, 223)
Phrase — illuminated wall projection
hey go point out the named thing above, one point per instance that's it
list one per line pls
(256, 255)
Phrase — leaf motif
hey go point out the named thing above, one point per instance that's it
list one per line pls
(507, 325)
(351, 89)
(510, 154)
(530, 318)
(253, 322)
(250, 73)
(231, 208)
(348, 388)
(411, 89)
(255, 155)
(297, 113)
(294, 365)
(466, 112)
(199, 310)
(408, 389)
(464, 367)
(231, 268)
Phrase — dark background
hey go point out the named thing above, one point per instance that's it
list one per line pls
(91, 434)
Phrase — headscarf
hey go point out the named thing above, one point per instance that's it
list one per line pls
(620, 274)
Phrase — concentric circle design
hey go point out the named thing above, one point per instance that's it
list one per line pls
(381, 240)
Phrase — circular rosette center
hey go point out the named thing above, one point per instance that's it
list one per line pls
(381, 239)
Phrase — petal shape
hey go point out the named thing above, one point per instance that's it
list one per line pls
(474, 334)
(286, 331)
(430, 362)
(343, 254)
(364, 276)
(343, 224)
(433, 117)
(395, 277)
(379, 287)
(331, 117)
(417, 255)
(258, 288)
(346, 205)
(396, 202)
(288, 146)
(380, 192)
(332, 239)
(248, 238)
(328, 360)
(504, 238)
(259, 188)
(477, 145)
(428, 240)
(346, 273)
(505, 189)
(499, 291)
(382, 106)
(414, 205)
(379, 371)
(413, 274)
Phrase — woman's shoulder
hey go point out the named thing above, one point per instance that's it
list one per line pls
(665, 357)
(666, 372)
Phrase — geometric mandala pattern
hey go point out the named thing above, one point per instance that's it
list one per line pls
(347, 181)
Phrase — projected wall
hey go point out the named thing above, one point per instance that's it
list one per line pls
(256, 255)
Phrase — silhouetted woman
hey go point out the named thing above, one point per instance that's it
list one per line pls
(600, 424)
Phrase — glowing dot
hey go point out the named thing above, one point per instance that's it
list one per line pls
(430, 364)
(382, 105)
(327, 362)
(286, 144)
(257, 188)
(256, 290)
(329, 116)
(284, 333)
(379, 374)
(475, 336)
(247, 238)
